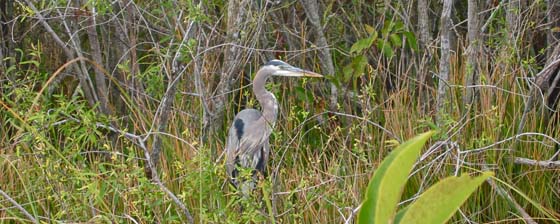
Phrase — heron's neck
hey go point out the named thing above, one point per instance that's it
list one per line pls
(266, 99)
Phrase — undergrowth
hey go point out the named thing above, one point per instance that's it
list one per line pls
(61, 163)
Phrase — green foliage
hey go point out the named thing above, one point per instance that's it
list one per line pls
(61, 165)
(357, 66)
(365, 43)
(385, 187)
(102, 7)
(154, 80)
(436, 205)
(392, 35)
(442, 200)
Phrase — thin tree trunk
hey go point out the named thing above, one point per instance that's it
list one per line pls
(118, 55)
(125, 48)
(131, 31)
(72, 30)
(424, 23)
(199, 87)
(425, 80)
(444, 66)
(237, 15)
(100, 81)
(167, 104)
(6, 44)
(473, 53)
(165, 108)
(327, 66)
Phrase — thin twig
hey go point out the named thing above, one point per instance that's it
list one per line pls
(390, 133)
(526, 217)
(139, 140)
(155, 179)
(18, 206)
(352, 213)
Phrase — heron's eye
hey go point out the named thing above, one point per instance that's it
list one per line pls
(280, 67)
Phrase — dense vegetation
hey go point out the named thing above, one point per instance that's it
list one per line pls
(117, 111)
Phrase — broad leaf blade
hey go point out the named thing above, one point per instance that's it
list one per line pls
(385, 187)
(442, 200)
(400, 214)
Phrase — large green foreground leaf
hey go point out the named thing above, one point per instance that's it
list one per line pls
(442, 200)
(385, 188)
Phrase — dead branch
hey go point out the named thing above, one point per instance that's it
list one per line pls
(543, 87)
(140, 142)
(526, 217)
(312, 11)
(18, 206)
(85, 83)
(531, 162)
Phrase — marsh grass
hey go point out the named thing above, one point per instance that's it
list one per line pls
(60, 166)
(320, 163)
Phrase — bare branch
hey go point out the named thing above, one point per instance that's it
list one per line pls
(85, 83)
(545, 164)
(312, 11)
(139, 140)
(167, 104)
(507, 196)
(155, 179)
(18, 206)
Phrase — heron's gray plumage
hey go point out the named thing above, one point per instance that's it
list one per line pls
(245, 148)
(247, 144)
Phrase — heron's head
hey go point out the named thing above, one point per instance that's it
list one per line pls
(280, 68)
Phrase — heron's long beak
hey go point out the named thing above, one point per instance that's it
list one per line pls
(298, 72)
(311, 74)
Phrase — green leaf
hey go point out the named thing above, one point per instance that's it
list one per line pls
(411, 40)
(442, 200)
(369, 29)
(347, 72)
(359, 63)
(398, 26)
(355, 68)
(396, 40)
(385, 47)
(362, 44)
(387, 28)
(36, 63)
(385, 187)
(400, 214)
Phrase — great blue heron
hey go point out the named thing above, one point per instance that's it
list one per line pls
(247, 145)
